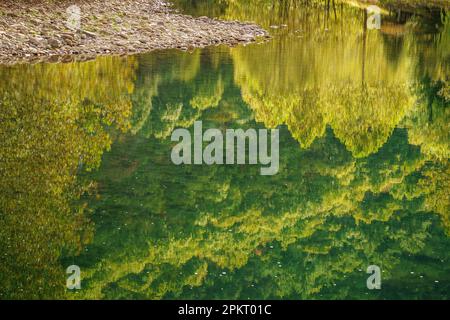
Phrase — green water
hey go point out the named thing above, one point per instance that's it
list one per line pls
(86, 177)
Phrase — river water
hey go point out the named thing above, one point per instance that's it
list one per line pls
(87, 178)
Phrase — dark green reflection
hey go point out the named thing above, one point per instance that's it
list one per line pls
(363, 177)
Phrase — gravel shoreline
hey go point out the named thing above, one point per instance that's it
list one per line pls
(42, 31)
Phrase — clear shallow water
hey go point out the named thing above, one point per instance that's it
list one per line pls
(86, 175)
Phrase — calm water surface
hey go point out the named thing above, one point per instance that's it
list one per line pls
(86, 176)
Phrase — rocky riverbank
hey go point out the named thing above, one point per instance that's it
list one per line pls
(51, 31)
